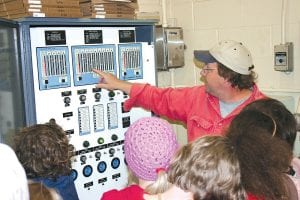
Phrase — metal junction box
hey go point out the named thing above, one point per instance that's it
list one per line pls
(169, 47)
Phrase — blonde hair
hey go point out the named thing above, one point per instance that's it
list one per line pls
(160, 185)
(209, 168)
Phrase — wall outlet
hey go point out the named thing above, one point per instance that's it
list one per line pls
(283, 57)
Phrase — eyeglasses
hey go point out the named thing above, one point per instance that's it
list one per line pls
(205, 70)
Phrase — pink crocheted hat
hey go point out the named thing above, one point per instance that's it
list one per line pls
(149, 145)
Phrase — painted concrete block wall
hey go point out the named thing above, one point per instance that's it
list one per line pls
(256, 23)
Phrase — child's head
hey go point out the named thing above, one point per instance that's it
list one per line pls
(285, 121)
(43, 150)
(149, 145)
(263, 157)
(209, 168)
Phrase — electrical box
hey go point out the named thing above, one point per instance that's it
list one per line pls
(283, 57)
(169, 47)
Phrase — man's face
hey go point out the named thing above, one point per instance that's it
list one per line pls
(212, 80)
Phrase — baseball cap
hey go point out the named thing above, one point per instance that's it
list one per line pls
(149, 145)
(230, 53)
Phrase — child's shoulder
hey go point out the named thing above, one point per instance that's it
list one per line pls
(133, 192)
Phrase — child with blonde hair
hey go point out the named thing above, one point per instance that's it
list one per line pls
(149, 145)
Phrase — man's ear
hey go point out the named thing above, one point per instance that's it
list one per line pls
(226, 83)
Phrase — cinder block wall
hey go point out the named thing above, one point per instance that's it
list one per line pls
(256, 23)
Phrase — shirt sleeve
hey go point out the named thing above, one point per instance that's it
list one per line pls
(169, 102)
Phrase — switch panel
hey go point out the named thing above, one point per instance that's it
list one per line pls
(283, 57)
(56, 77)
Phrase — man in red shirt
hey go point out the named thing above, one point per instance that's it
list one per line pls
(229, 85)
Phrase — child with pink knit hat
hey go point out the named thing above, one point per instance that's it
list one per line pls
(149, 145)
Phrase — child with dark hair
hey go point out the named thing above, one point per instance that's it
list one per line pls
(286, 129)
(264, 158)
(44, 152)
(285, 121)
(209, 168)
(149, 145)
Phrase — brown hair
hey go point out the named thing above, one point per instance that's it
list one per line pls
(286, 124)
(39, 191)
(43, 150)
(263, 158)
(240, 81)
(209, 168)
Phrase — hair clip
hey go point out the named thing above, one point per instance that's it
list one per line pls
(275, 127)
(157, 170)
(291, 171)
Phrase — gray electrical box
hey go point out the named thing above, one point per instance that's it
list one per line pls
(169, 47)
(283, 57)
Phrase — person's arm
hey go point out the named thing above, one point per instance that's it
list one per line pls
(161, 101)
(110, 82)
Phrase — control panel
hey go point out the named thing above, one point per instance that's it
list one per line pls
(94, 119)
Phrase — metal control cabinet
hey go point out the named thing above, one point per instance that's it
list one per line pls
(48, 74)
(169, 47)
